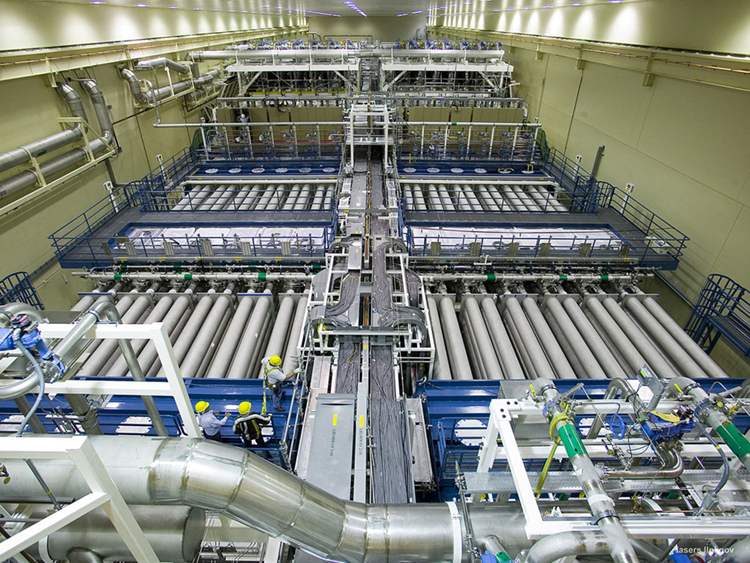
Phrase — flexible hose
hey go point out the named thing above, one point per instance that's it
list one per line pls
(40, 377)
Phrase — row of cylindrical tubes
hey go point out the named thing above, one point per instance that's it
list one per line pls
(215, 335)
(515, 336)
(257, 197)
(481, 197)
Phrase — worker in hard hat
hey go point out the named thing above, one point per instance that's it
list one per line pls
(248, 425)
(275, 379)
(208, 422)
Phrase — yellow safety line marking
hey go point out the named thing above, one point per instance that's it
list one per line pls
(335, 419)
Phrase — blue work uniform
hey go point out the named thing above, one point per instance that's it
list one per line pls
(211, 425)
(275, 378)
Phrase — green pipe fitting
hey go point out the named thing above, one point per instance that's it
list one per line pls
(188, 277)
(734, 439)
(571, 440)
(503, 557)
(563, 277)
(117, 277)
(491, 277)
(261, 276)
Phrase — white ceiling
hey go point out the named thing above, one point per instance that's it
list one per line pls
(339, 8)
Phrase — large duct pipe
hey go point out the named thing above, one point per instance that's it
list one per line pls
(175, 532)
(242, 486)
(43, 146)
(162, 62)
(441, 368)
(482, 337)
(158, 94)
(459, 361)
(54, 165)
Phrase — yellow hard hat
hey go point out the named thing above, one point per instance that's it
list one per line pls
(275, 361)
(245, 407)
(201, 406)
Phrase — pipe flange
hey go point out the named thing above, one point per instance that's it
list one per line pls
(606, 514)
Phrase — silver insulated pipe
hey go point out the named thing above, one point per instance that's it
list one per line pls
(253, 491)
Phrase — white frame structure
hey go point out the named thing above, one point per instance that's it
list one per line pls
(174, 386)
(504, 411)
(104, 494)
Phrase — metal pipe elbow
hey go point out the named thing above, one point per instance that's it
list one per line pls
(135, 85)
(561, 545)
(673, 469)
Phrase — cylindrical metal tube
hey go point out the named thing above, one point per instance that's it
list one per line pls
(149, 356)
(488, 202)
(536, 355)
(583, 353)
(547, 339)
(501, 341)
(104, 351)
(471, 197)
(419, 200)
(242, 486)
(459, 361)
(512, 198)
(175, 533)
(120, 367)
(291, 354)
(224, 354)
(185, 340)
(651, 354)
(278, 339)
(191, 364)
(697, 353)
(525, 199)
(564, 544)
(433, 198)
(303, 199)
(441, 369)
(241, 367)
(592, 339)
(615, 333)
(445, 198)
(676, 353)
(481, 335)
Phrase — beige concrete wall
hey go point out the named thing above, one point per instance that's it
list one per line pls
(29, 24)
(30, 109)
(718, 26)
(385, 29)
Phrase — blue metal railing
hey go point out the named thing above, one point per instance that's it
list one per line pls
(661, 237)
(17, 287)
(79, 231)
(723, 309)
